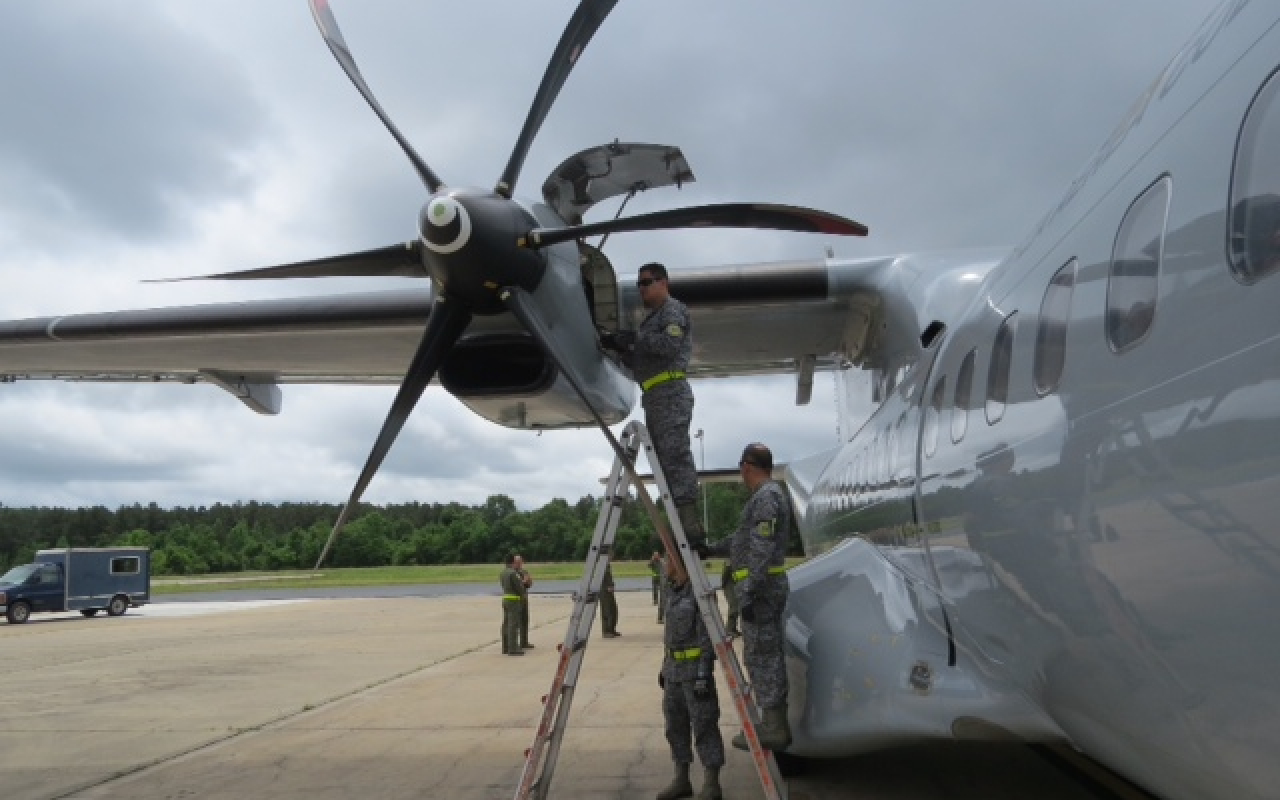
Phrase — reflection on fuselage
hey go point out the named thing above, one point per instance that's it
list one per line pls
(1106, 552)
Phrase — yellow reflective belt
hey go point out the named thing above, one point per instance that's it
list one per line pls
(661, 378)
(511, 597)
(686, 655)
(741, 575)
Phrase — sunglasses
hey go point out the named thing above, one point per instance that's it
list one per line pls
(643, 282)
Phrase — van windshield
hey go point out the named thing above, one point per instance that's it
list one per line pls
(19, 575)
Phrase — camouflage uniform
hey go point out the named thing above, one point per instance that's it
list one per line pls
(684, 713)
(513, 598)
(526, 582)
(608, 604)
(664, 343)
(731, 597)
(757, 551)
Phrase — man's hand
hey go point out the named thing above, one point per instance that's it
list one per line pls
(618, 341)
(748, 612)
(703, 688)
(699, 545)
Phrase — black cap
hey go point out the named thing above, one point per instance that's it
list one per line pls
(757, 455)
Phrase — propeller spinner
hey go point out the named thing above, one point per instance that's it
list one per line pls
(484, 251)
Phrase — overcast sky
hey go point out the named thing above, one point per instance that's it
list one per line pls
(153, 139)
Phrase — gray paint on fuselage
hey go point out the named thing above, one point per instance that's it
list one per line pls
(1126, 520)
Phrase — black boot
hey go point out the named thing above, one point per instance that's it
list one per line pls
(679, 786)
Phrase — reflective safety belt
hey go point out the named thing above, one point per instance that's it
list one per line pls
(661, 378)
(741, 574)
(686, 655)
(506, 597)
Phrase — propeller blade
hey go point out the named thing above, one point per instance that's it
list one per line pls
(522, 307)
(726, 215)
(584, 23)
(448, 320)
(396, 261)
(338, 46)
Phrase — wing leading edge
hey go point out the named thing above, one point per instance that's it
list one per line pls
(790, 317)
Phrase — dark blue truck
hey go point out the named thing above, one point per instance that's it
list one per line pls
(84, 579)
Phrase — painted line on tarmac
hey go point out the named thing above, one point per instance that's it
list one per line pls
(213, 607)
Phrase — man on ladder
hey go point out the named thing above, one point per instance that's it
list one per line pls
(757, 553)
(658, 354)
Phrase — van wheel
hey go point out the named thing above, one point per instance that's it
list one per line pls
(18, 612)
(118, 605)
(89, 612)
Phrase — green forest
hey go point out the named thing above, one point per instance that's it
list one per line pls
(264, 536)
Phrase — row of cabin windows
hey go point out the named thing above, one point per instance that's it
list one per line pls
(1133, 282)
(1253, 252)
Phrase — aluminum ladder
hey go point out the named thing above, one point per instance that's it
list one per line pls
(541, 757)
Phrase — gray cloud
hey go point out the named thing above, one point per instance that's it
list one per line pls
(117, 119)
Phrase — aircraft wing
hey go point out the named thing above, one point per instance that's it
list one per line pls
(793, 317)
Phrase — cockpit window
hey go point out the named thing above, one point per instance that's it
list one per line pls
(1253, 231)
(1135, 267)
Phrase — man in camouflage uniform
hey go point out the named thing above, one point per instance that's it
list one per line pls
(757, 553)
(731, 597)
(608, 605)
(656, 567)
(689, 701)
(513, 596)
(658, 354)
(527, 581)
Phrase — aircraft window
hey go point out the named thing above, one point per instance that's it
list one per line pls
(998, 373)
(1135, 267)
(931, 417)
(964, 398)
(1253, 243)
(1051, 339)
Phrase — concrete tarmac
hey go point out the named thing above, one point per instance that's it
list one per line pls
(385, 698)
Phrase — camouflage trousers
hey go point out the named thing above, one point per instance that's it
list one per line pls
(762, 643)
(689, 721)
(668, 410)
(510, 625)
(608, 611)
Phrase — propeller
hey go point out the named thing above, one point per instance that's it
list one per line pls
(448, 320)
(727, 215)
(584, 23)
(396, 261)
(486, 254)
(338, 46)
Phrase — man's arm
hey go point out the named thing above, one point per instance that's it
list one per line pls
(763, 512)
(666, 338)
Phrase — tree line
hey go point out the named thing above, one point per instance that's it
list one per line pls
(264, 536)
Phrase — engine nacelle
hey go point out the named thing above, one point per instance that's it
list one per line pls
(506, 378)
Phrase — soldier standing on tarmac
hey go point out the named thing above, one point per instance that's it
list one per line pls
(527, 580)
(731, 597)
(757, 552)
(658, 354)
(656, 567)
(608, 605)
(513, 595)
(689, 701)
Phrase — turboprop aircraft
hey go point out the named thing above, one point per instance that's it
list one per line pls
(1056, 525)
